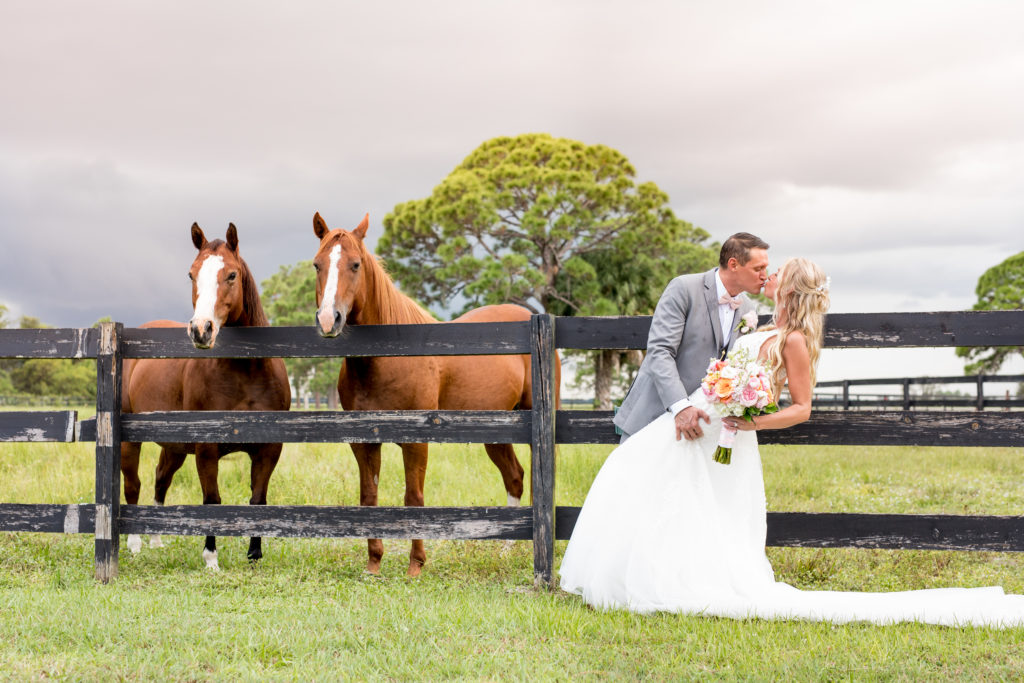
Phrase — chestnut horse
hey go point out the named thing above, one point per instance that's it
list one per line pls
(354, 289)
(224, 293)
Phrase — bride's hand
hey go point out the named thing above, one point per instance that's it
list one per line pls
(739, 424)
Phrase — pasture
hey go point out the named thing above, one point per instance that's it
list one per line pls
(309, 611)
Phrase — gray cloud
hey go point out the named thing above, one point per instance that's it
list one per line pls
(885, 141)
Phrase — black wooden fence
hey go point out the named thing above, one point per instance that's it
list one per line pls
(542, 427)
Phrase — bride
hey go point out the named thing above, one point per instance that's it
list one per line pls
(665, 528)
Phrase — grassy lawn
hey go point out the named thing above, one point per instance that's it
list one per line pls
(308, 611)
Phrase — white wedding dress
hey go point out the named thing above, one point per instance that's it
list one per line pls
(665, 528)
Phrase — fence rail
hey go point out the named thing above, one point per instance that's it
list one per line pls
(542, 427)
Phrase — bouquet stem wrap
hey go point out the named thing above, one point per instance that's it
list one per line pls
(723, 454)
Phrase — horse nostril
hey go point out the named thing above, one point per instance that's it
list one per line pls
(207, 328)
(337, 317)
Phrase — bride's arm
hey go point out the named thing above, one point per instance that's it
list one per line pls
(798, 372)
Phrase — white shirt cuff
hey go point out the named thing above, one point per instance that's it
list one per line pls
(679, 405)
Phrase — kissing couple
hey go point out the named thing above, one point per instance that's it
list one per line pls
(668, 528)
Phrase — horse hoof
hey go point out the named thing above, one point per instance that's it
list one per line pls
(210, 558)
(156, 542)
(134, 543)
(254, 558)
(415, 567)
(373, 568)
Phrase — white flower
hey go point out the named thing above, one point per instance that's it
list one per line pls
(748, 322)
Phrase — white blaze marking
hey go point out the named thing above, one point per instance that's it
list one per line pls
(326, 313)
(206, 288)
(211, 560)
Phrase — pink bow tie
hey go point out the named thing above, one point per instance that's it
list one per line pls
(734, 302)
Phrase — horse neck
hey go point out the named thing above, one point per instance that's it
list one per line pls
(383, 303)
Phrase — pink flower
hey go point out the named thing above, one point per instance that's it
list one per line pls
(748, 397)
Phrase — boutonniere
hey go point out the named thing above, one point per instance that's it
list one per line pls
(748, 323)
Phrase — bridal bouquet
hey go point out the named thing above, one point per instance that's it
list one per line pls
(738, 386)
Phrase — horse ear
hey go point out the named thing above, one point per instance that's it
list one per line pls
(232, 237)
(360, 230)
(198, 238)
(320, 226)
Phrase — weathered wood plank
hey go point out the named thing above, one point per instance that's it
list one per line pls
(50, 343)
(542, 486)
(38, 425)
(305, 521)
(108, 450)
(378, 426)
(448, 339)
(990, 403)
(919, 532)
(842, 330)
(844, 428)
(48, 518)
(847, 530)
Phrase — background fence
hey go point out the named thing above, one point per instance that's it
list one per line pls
(907, 400)
(541, 427)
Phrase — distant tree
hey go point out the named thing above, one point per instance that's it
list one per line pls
(514, 221)
(55, 377)
(1000, 288)
(552, 224)
(4, 322)
(289, 299)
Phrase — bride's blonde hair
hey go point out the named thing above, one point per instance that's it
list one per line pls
(803, 294)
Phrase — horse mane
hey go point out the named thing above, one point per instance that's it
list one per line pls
(253, 302)
(392, 306)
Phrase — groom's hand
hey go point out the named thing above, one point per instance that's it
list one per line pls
(688, 423)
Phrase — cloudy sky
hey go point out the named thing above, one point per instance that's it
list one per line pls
(884, 140)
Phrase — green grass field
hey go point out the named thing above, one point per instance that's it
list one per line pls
(308, 611)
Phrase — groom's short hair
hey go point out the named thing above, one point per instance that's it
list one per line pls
(738, 247)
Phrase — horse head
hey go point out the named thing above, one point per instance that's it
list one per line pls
(339, 283)
(218, 294)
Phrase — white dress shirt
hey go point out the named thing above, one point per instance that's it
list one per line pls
(726, 314)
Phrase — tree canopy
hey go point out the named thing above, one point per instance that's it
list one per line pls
(525, 220)
(1000, 288)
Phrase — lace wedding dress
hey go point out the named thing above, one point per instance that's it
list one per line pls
(664, 528)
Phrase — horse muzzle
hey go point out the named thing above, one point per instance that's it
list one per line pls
(203, 333)
(327, 325)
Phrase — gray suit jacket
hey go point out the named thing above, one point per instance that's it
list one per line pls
(685, 334)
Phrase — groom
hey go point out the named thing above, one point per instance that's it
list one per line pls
(695, 320)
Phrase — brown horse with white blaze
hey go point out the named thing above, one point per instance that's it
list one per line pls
(354, 289)
(224, 293)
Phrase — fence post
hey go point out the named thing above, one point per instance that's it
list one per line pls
(906, 393)
(981, 391)
(846, 394)
(108, 450)
(542, 485)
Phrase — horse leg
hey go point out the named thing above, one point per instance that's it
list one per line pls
(170, 461)
(132, 485)
(368, 459)
(207, 462)
(264, 461)
(504, 457)
(415, 457)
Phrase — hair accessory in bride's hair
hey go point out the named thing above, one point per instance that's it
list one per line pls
(828, 283)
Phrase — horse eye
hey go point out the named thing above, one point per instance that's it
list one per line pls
(190, 276)
(355, 266)
(232, 277)
(316, 267)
